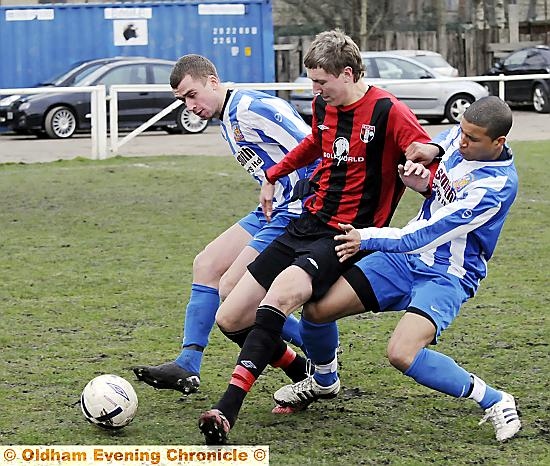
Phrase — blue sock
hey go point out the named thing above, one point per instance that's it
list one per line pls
(439, 372)
(491, 397)
(291, 331)
(485, 395)
(200, 316)
(190, 360)
(321, 342)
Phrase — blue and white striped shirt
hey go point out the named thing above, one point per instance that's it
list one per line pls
(260, 130)
(457, 228)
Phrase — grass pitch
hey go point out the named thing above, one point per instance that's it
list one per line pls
(95, 273)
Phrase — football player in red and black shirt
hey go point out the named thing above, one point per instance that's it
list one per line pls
(361, 134)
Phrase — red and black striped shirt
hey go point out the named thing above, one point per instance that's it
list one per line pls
(360, 146)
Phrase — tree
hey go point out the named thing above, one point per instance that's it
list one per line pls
(303, 17)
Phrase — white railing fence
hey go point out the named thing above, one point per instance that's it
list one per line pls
(99, 97)
(98, 117)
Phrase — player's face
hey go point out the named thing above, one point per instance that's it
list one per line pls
(475, 144)
(200, 96)
(334, 90)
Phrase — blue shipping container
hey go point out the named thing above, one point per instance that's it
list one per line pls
(41, 41)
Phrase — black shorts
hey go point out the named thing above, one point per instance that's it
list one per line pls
(309, 244)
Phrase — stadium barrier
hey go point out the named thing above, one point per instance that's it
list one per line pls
(100, 98)
(98, 111)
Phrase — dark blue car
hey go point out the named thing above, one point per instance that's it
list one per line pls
(60, 115)
(531, 60)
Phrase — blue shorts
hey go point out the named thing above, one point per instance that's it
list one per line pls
(403, 281)
(263, 233)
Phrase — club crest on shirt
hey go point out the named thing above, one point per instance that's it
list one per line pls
(462, 182)
(367, 133)
(237, 132)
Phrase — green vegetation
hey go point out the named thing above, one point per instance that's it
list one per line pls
(96, 263)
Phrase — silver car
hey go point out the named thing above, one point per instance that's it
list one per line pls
(432, 60)
(429, 100)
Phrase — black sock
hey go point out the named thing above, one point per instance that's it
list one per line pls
(255, 355)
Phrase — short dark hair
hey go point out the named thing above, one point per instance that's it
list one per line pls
(490, 113)
(196, 66)
(332, 51)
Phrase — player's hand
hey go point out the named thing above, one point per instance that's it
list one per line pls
(266, 199)
(415, 176)
(422, 153)
(350, 242)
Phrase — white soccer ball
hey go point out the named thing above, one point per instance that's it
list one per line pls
(109, 401)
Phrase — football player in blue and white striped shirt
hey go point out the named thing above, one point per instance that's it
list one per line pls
(430, 267)
(260, 129)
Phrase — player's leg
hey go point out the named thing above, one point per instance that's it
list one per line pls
(263, 238)
(208, 268)
(351, 294)
(320, 334)
(288, 289)
(432, 309)
(242, 308)
(262, 345)
(237, 315)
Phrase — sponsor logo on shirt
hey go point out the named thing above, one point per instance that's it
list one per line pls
(340, 152)
(322, 127)
(237, 132)
(443, 186)
(249, 160)
(367, 133)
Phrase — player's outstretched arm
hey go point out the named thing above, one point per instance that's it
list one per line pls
(415, 176)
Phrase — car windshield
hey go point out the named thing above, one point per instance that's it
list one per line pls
(87, 78)
(75, 73)
(546, 55)
(433, 61)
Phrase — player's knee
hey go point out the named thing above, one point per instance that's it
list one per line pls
(206, 269)
(228, 321)
(400, 355)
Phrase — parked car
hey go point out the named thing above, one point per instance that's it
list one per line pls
(431, 101)
(79, 70)
(535, 92)
(432, 60)
(60, 115)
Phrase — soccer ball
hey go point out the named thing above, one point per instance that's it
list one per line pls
(109, 401)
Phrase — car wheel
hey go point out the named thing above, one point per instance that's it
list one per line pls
(540, 99)
(188, 122)
(60, 123)
(456, 106)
